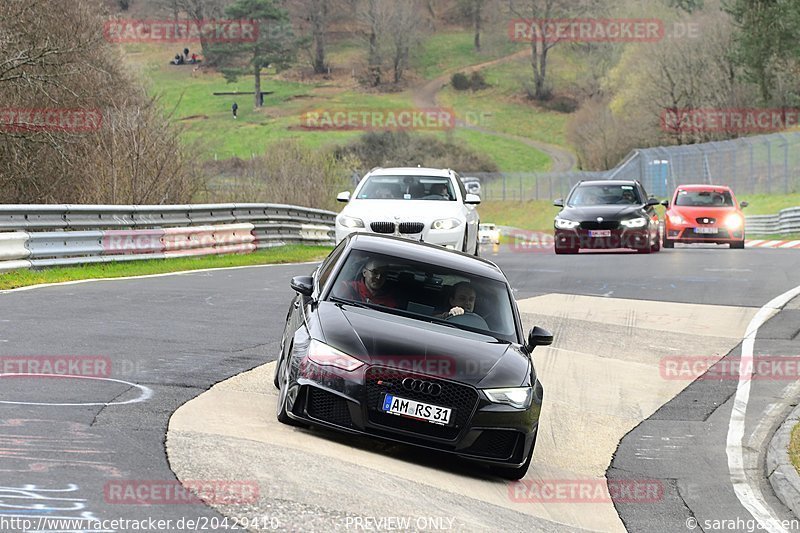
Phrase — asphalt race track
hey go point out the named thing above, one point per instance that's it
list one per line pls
(148, 348)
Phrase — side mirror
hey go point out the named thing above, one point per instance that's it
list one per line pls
(744, 204)
(343, 196)
(558, 203)
(303, 285)
(472, 199)
(653, 201)
(665, 203)
(538, 337)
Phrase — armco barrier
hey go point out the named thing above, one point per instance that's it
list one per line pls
(50, 235)
(786, 221)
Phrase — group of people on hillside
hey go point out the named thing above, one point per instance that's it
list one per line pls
(183, 58)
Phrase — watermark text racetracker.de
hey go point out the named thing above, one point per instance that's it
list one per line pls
(199, 523)
(172, 492)
(438, 118)
(728, 120)
(586, 491)
(704, 367)
(180, 31)
(52, 120)
(56, 365)
(599, 30)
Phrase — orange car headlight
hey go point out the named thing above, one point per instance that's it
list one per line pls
(734, 221)
(676, 219)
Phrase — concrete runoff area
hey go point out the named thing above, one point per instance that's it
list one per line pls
(602, 376)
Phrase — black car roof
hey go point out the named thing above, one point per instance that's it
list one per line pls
(609, 182)
(426, 253)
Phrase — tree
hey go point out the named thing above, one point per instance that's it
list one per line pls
(198, 11)
(57, 60)
(536, 12)
(473, 10)
(767, 38)
(274, 45)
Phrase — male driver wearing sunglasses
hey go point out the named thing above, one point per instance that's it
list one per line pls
(370, 289)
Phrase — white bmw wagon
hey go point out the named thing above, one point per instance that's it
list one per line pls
(427, 204)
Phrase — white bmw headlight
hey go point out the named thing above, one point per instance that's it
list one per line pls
(519, 397)
(639, 222)
(445, 223)
(563, 223)
(350, 222)
(734, 221)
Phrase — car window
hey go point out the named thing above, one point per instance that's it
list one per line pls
(424, 291)
(407, 188)
(327, 265)
(585, 195)
(703, 198)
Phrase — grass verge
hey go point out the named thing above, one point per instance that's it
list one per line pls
(284, 254)
(794, 447)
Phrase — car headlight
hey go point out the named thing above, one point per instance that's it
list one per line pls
(676, 219)
(350, 222)
(734, 221)
(445, 223)
(519, 397)
(325, 355)
(639, 222)
(563, 223)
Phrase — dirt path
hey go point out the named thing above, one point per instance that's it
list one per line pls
(425, 96)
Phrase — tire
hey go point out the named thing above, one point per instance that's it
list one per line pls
(657, 244)
(666, 243)
(280, 406)
(645, 250)
(568, 251)
(739, 245)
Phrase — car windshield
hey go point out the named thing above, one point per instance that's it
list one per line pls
(704, 198)
(488, 227)
(425, 291)
(604, 195)
(407, 188)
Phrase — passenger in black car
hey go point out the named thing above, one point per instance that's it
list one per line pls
(461, 300)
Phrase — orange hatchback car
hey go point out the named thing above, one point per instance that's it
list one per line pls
(704, 213)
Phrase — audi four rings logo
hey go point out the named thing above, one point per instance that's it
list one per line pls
(418, 385)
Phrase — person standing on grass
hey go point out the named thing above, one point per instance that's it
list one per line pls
(234, 108)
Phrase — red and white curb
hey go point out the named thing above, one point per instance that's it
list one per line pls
(755, 243)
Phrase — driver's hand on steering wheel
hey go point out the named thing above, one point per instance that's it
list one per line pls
(455, 311)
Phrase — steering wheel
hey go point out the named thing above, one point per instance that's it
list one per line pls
(469, 319)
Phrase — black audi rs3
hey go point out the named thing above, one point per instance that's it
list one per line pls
(412, 343)
(607, 214)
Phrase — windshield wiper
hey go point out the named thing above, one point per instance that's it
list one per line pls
(350, 302)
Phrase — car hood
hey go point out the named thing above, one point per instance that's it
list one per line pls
(608, 212)
(373, 210)
(691, 212)
(384, 339)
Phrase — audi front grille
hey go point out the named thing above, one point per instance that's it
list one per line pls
(383, 380)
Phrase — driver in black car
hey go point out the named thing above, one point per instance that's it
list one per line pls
(461, 300)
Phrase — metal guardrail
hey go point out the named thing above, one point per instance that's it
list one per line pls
(786, 221)
(50, 235)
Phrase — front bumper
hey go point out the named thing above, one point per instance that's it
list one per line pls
(451, 238)
(637, 238)
(687, 234)
(481, 431)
